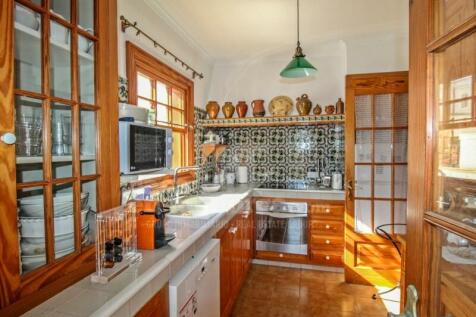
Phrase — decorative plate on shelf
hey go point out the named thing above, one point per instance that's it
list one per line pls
(281, 106)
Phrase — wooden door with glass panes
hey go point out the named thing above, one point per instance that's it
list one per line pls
(450, 218)
(49, 122)
(376, 175)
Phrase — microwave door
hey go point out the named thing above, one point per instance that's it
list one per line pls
(147, 148)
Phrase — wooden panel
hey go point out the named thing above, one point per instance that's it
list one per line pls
(9, 277)
(324, 257)
(158, 306)
(377, 256)
(282, 257)
(327, 227)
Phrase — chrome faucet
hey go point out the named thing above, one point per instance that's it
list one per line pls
(176, 170)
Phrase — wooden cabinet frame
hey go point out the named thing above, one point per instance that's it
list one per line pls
(21, 293)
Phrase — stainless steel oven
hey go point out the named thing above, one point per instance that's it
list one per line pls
(281, 227)
(144, 148)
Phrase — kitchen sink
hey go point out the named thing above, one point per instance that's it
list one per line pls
(196, 200)
(190, 211)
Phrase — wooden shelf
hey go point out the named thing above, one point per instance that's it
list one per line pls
(461, 173)
(272, 121)
(55, 159)
(209, 149)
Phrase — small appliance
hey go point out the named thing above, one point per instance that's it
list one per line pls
(144, 148)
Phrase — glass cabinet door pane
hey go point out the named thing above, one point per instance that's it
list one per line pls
(63, 209)
(400, 139)
(88, 207)
(363, 181)
(363, 146)
(60, 61)
(383, 181)
(32, 228)
(86, 14)
(28, 72)
(382, 213)
(87, 86)
(454, 172)
(383, 111)
(61, 140)
(88, 142)
(453, 272)
(363, 111)
(61, 8)
(29, 143)
(401, 110)
(400, 189)
(383, 146)
(363, 216)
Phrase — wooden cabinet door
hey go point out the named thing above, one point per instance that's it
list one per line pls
(376, 165)
(225, 268)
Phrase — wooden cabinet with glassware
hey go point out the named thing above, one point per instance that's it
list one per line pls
(55, 87)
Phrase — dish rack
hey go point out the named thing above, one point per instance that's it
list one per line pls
(116, 242)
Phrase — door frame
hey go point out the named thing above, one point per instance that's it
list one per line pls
(365, 84)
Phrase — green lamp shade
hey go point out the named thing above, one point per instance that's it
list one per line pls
(298, 67)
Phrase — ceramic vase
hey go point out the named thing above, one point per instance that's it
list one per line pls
(258, 108)
(303, 105)
(228, 110)
(317, 110)
(212, 109)
(241, 109)
(339, 106)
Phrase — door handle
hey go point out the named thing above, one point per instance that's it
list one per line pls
(233, 230)
(8, 138)
(350, 189)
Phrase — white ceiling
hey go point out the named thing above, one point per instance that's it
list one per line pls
(239, 29)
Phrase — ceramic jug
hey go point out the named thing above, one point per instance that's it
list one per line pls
(258, 108)
(212, 109)
(241, 109)
(317, 110)
(228, 110)
(339, 106)
(303, 105)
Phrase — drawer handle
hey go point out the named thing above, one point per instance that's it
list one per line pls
(328, 241)
(328, 257)
(328, 226)
(281, 255)
(328, 211)
(233, 230)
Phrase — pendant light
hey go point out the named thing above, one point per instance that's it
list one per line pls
(299, 66)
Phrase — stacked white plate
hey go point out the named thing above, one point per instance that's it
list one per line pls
(33, 206)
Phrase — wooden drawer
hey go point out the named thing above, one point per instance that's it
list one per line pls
(281, 257)
(327, 227)
(323, 257)
(327, 211)
(322, 242)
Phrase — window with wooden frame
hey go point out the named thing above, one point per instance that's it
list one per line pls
(169, 97)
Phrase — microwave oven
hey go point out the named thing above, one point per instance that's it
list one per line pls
(144, 148)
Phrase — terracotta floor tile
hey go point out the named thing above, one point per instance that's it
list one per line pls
(276, 291)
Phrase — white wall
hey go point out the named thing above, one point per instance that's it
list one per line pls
(360, 53)
(154, 24)
(258, 78)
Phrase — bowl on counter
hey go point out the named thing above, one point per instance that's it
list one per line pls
(35, 227)
(37, 246)
(210, 188)
(33, 206)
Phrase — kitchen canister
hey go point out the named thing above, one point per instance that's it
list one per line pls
(230, 178)
(336, 181)
(242, 174)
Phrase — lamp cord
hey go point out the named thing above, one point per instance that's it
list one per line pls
(298, 23)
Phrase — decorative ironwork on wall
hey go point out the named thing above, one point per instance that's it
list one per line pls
(125, 24)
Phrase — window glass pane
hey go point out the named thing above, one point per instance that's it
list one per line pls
(383, 181)
(86, 14)
(60, 61)
(363, 216)
(88, 142)
(400, 215)
(363, 176)
(400, 189)
(162, 114)
(28, 71)
(363, 146)
(162, 93)
(29, 143)
(363, 111)
(382, 214)
(383, 111)
(61, 140)
(383, 146)
(177, 146)
(177, 99)
(400, 146)
(144, 86)
(61, 8)
(177, 117)
(401, 111)
(31, 228)
(63, 207)
(144, 103)
(86, 70)
(88, 208)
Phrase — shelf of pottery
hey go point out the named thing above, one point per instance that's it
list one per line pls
(279, 108)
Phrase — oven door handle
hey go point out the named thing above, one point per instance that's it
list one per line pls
(282, 215)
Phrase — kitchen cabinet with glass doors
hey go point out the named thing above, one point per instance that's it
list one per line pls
(54, 139)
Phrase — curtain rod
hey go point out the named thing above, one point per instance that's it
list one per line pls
(125, 24)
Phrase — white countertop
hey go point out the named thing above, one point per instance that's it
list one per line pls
(130, 290)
